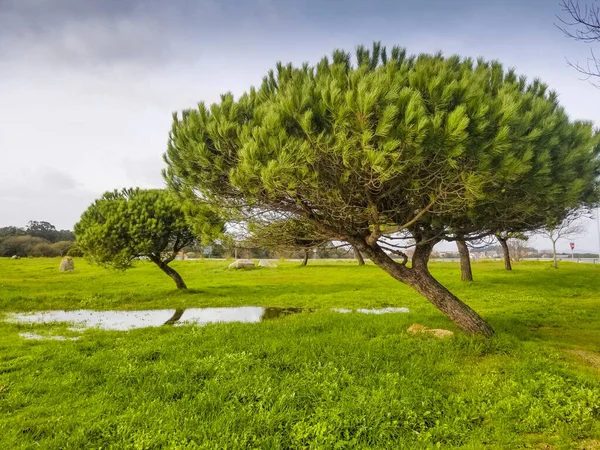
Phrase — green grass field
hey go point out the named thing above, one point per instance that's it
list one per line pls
(313, 380)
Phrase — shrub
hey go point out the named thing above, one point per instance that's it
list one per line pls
(75, 251)
(20, 245)
(63, 247)
(44, 249)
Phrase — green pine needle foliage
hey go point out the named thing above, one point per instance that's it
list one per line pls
(354, 145)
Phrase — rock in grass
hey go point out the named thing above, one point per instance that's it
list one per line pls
(417, 328)
(242, 264)
(266, 263)
(439, 333)
(67, 264)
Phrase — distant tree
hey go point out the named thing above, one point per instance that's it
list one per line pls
(518, 247)
(359, 259)
(503, 239)
(556, 229)
(429, 145)
(464, 246)
(65, 236)
(290, 234)
(466, 273)
(11, 231)
(42, 229)
(126, 225)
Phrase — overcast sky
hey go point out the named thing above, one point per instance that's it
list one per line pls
(87, 87)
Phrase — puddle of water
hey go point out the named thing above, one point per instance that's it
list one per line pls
(129, 320)
(201, 316)
(105, 320)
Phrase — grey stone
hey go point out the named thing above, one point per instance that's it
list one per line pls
(242, 264)
(266, 263)
(67, 264)
(417, 328)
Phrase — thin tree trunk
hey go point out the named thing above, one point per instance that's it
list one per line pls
(506, 253)
(554, 254)
(466, 274)
(419, 278)
(358, 256)
(305, 258)
(171, 272)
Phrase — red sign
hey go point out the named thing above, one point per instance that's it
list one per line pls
(572, 245)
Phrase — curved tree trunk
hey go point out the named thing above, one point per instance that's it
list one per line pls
(461, 314)
(171, 272)
(419, 278)
(505, 252)
(305, 258)
(554, 254)
(466, 274)
(358, 256)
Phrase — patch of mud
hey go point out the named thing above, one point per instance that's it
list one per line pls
(590, 444)
(591, 358)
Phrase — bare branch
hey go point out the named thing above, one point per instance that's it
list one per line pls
(583, 24)
(403, 255)
(569, 227)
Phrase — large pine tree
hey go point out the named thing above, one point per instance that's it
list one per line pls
(425, 145)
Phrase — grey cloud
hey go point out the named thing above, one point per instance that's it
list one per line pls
(56, 180)
(43, 194)
(83, 32)
(61, 210)
(37, 181)
(142, 32)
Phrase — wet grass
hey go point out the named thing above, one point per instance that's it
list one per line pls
(318, 380)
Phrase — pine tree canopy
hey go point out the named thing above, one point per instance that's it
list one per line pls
(390, 142)
(123, 226)
(290, 234)
(427, 145)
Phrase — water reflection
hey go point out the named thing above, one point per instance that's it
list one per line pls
(104, 320)
(175, 317)
(201, 316)
(129, 320)
(275, 313)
